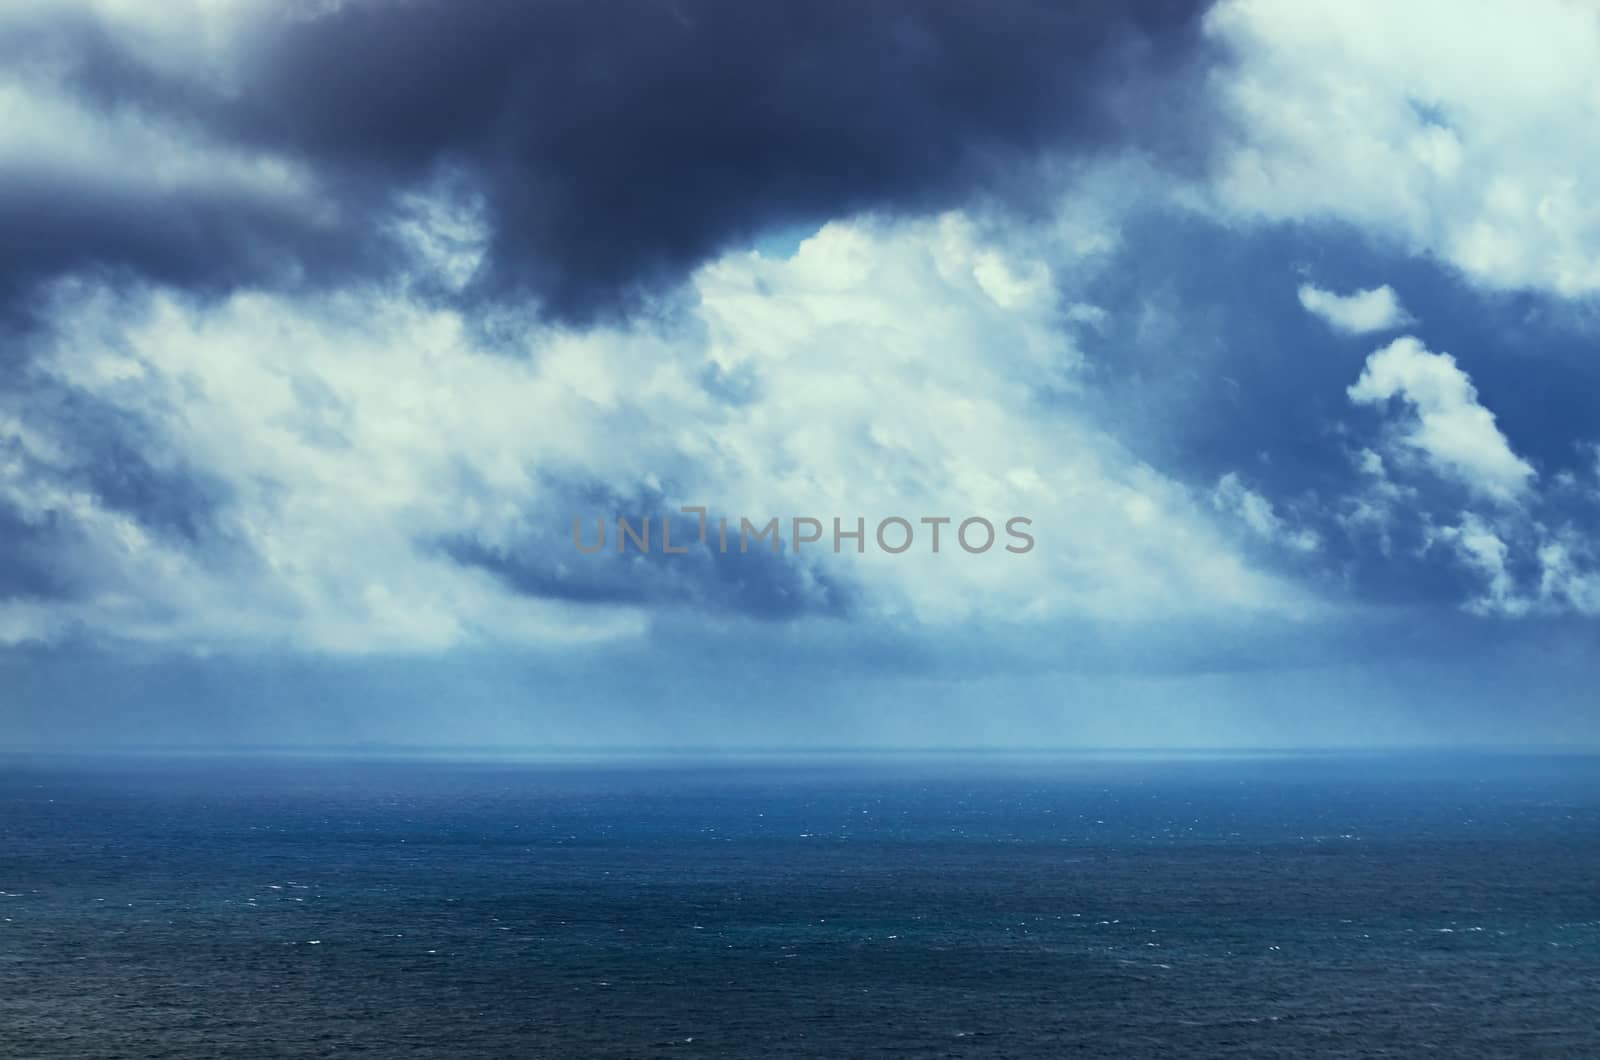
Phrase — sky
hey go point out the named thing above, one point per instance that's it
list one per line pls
(323, 323)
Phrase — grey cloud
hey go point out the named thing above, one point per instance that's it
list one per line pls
(757, 584)
(613, 146)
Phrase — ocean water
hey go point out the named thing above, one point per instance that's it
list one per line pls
(828, 906)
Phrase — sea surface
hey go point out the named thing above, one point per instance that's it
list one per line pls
(843, 905)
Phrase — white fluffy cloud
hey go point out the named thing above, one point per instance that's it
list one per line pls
(1482, 549)
(1569, 572)
(1523, 567)
(1357, 313)
(880, 370)
(1258, 515)
(1475, 145)
(1455, 434)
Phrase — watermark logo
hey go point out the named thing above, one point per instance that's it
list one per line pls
(894, 535)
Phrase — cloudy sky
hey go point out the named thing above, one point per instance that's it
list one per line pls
(322, 320)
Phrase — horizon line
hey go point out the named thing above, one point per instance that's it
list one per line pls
(433, 750)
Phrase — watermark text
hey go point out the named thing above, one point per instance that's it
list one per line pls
(894, 535)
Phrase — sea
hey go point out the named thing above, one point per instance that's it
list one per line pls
(850, 904)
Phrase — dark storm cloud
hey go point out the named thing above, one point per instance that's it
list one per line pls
(100, 455)
(114, 459)
(205, 240)
(109, 216)
(31, 564)
(612, 145)
(757, 584)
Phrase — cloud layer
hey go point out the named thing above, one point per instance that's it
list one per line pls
(322, 322)
(608, 150)
(369, 476)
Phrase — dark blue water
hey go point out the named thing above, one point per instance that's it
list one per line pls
(831, 906)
